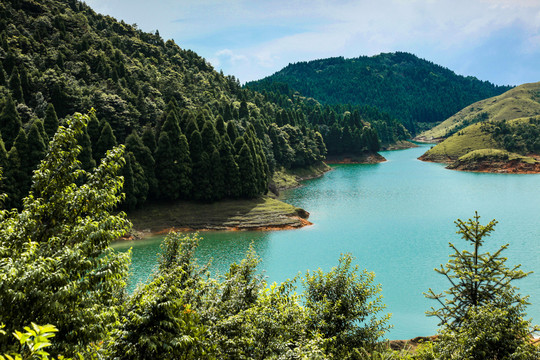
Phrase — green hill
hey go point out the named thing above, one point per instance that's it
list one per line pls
(494, 140)
(415, 91)
(191, 132)
(521, 101)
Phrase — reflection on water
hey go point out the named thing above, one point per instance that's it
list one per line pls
(397, 219)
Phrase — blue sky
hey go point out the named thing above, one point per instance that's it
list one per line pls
(493, 40)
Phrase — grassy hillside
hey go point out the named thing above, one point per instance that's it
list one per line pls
(521, 101)
(510, 139)
(415, 91)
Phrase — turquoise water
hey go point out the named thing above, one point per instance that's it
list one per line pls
(396, 218)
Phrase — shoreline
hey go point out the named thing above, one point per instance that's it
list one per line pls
(488, 168)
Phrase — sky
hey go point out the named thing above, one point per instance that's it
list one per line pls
(493, 40)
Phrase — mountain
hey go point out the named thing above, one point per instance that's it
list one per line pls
(415, 91)
(190, 131)
(521, 101)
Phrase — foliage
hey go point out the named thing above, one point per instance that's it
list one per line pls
(489, 332)
(413, 90)
(60, 56)
(345, 307)
(476, 278)
(481, 315)
(32, 342)
(56, 265)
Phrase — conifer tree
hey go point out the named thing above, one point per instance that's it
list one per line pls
(220, 126)
(476, 278)
(149, 139)
(15, 179)
(36, 148)
(165, 174)
(233, 187)
(185, 168)
(85, 156)
(247, 173)
(232, 132)
(143, 156)
(202, 178)
(93, 129)
(218, 175)
(243, 112)
(10, 122)
(15, 85)
(3, 169)
(106, 141)
(140, 185)
(50, 123)
(209, 137)
(130, 200)
(2, 75)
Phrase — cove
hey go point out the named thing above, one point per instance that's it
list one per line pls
(396, 218)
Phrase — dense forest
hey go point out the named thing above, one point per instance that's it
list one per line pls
(177, 116)
(345, 128)
(415, 91)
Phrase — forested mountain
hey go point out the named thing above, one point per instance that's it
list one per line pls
(190, 132)
(346, 129)
(415, 91)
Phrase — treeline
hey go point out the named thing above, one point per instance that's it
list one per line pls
(519, 136)
(346, 129)
(178, 117)
(416, 92)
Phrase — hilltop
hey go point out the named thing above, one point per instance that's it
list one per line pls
(521, 101)
(417, 92)
(492, 146)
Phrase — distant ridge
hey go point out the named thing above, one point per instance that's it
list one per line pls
(417, 92)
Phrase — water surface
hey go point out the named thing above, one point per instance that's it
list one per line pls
(396, 218)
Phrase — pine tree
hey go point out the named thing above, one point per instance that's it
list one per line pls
(233, 187)
(10, 122)
(232, 131)
(243, 112)
(85, 156)
(477, 279)
(149, 139)
(15, 85)
(218, 175)
(130, 200)
(15, 179)
(36, 149)
(247, 173)
(165, 174)
(106, 141)
(144, 158)
(50, 123)
(185, 168)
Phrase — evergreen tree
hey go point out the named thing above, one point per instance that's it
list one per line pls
(143, 156)
(2, 75)
(93, 129)
(185, 168)
(50, 123)
(106, 141)
(476, 278)
(246, 168)
(36, 149)
(140, 185)
(85, 156)
(15, 85)
(130, 200)
(3, 169)
(15, 179)
(165, 174)
(232, 132)
(243, 112)
(232, 182)
(220, 126)
(149, 139)
(10, 122)
(218, 175)
(209, 137)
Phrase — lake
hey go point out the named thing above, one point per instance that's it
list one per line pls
(396, 218)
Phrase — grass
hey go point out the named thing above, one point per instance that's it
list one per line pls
(521, 101)
(470, 139)
(495, 155)
(260, 213)
(290, 178)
